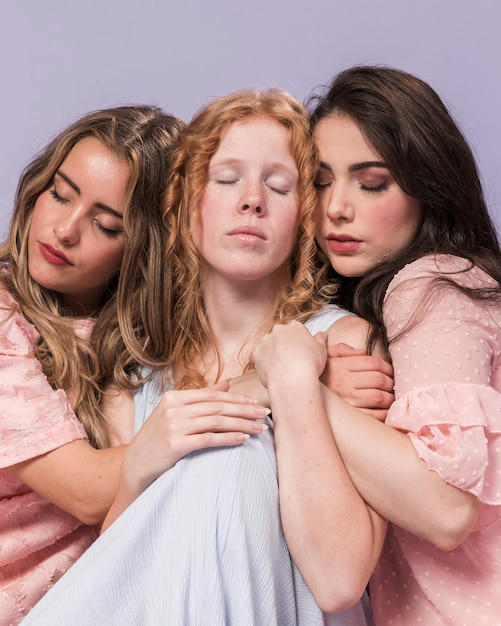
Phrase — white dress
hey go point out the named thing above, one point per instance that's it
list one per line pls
(202, 546)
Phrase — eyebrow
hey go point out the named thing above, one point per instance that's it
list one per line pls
(76, 188)
(357, 166)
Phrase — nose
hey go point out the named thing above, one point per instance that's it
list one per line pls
(67, 229)
(339, 207)
(252, 199)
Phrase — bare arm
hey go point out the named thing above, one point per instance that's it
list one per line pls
(331, 532)
(118, 406)
(364, 381)
(385, 467)
(382, 460)
(76, 477)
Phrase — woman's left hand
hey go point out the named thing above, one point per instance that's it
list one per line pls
(290, 351)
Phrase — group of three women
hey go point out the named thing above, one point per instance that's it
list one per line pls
(191, 482)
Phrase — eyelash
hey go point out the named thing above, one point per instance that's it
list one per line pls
(368, 188)
(56, 196)
(321, 186)
(107, 231)
(281, 192)
(374, 188)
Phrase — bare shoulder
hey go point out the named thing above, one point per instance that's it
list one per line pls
(349, 329)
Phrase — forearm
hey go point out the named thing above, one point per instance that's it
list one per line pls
(330, 531)
(125, 496)
(77, 478)
(386, 470)
(249, 384)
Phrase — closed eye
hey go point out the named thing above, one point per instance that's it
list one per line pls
(56, 196)
(374, 188)
(322, 185)
(109, 232)
(282, 192)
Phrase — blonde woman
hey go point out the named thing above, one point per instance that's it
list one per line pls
(75, 270)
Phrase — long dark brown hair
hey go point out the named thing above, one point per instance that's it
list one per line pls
(407, 124)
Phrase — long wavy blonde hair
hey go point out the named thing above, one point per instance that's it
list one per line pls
(190, 335)
(126, 332)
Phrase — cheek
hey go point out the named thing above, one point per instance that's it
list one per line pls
(112, 260)
(291, 234)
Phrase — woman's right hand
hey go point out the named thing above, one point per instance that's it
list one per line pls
(184, 421)
(362, 380)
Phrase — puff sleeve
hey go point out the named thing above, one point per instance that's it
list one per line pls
(34, 418)
(446, 358)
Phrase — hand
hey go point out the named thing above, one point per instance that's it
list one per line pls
(289, 350)
(188, 420)
(364, 381)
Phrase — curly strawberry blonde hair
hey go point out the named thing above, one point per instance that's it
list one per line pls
(190, 334)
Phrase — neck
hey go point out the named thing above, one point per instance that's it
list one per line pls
(238, 314)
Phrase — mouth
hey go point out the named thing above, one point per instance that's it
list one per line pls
(248, 234)
(343, 243)
(53, 255)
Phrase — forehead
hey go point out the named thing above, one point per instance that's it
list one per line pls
(342, 136)
(257, 134)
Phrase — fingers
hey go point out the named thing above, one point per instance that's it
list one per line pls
(372, 380)
(379, 414)
(362, 362)
(344, 350)
(199, 411)
(370, 399)
(215, 393)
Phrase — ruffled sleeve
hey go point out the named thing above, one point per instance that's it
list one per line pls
(447, 374)
(34, 418)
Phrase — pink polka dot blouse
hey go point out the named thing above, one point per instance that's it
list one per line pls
(448, 400)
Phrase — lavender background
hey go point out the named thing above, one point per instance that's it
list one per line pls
(60, 59)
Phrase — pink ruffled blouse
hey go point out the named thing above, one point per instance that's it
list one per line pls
(38, 541)
(448, 400)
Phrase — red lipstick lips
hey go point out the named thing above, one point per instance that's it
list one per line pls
(53, 255)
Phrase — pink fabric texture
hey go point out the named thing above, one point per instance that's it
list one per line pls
(448, 400)
(38, 541)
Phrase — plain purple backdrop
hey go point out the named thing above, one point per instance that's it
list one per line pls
(60, 59)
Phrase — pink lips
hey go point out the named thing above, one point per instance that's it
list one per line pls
(343, 243)
(248, 234)
(53, 255)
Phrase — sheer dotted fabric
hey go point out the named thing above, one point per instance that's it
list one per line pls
(448, 401)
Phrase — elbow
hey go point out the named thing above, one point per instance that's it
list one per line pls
(340, 596)
(453, 529)
(90, 518)
(88, 513)
(343, 600)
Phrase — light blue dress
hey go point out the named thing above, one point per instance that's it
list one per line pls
(202, 546)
